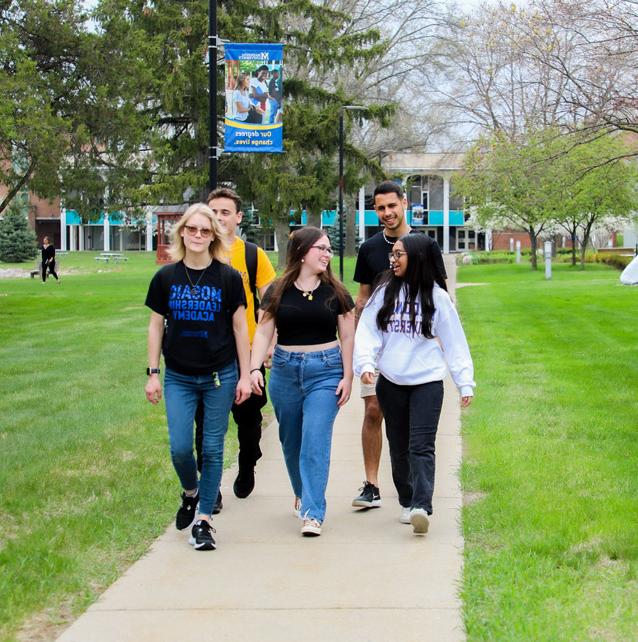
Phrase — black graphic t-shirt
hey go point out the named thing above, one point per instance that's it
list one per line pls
(301, 321)
(198, 337)
(372, 259)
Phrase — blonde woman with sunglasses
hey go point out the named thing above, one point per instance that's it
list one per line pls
(198, 321)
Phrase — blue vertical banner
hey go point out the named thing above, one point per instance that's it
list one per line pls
(253, 121)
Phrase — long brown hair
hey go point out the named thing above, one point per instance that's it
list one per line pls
(300, 242)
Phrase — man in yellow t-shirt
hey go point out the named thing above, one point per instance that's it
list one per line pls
(226, 206)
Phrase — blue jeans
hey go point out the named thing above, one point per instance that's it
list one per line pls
(302, 390)
(182, 394)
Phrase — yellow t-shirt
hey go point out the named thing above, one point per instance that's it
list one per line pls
(265, 274)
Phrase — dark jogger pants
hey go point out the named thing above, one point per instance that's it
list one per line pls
(411, 420)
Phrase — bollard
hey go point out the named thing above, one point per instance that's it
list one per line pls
(518, 251)
(511, 244)
(548, 259)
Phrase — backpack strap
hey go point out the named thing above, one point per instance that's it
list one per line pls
(250, 251)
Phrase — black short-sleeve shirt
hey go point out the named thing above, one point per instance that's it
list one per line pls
(302, 321)
(198, 337)
(372, 259)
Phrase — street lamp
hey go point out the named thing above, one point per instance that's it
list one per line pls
(212, 94)
(341, 136)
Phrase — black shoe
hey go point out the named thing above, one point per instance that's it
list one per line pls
(369, 497)
(186, 513)
(217, 508)
(244, 482)
(201, 538)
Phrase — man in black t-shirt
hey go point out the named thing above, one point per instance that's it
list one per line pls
(390, 205)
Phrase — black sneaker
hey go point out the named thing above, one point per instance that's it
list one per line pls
(369, 497)
(217, 508)
(244, 482)
(201, 538)
(186, 513)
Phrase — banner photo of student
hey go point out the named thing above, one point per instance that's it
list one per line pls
(253, 121)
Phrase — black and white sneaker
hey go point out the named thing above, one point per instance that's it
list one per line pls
(201, 538)
(186, 513)
(369, 498)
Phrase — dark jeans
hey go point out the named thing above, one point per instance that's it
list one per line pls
(411, 420)
(248, 418)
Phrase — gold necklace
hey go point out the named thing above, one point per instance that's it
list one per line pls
(308, 294)
(194, 285)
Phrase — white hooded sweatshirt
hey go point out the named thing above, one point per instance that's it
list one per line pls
(407, 358)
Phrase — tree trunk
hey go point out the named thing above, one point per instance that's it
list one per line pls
(282, 232)
(586, 235)
(313, 217)
(534, 242)
(573, 236)
(350, 232)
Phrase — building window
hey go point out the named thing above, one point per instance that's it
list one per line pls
(465, 239)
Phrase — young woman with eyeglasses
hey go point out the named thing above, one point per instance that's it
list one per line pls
(198, 322)
(311, 375)
(410, 331)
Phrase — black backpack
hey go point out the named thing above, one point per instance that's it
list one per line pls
(250, 250)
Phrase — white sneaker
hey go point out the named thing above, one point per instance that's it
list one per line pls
(297, 507)
(404, 518)
(311, 528)
(419, 520)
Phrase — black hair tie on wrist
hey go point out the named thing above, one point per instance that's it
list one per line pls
(255, 370)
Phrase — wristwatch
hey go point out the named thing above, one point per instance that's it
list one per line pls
(150, 371)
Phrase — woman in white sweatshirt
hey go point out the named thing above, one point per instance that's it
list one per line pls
(410, 331)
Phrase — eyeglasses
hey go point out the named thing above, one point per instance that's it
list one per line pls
(204, 231)
(396, 255)
(324, 249)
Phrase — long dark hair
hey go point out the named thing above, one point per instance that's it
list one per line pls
(300, 242)
(419, 279)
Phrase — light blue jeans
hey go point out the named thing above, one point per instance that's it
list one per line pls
(302, 390)
(182, 394)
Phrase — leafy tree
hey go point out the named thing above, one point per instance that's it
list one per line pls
(17, 241)
(594, 192)
(510, 183)
(68, 126)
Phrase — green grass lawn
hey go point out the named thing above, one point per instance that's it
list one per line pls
(551, 455)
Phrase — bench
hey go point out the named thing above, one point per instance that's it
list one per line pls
(102, 258)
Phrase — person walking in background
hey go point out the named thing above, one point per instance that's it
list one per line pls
(411, 333)
(257, 274)
(311, 376)
(198, 321)
(48, 260)
(390, 205)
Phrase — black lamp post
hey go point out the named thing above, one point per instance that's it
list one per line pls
(341, 186)
(212, 94)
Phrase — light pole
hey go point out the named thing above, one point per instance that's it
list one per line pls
(341, 136)
(212, 94)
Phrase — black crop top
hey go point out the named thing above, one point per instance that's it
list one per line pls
(301, 322)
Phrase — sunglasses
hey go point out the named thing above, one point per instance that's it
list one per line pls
(192, 230)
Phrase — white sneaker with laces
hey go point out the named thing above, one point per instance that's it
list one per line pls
(404, 518)
(311, 528)
(419, 520)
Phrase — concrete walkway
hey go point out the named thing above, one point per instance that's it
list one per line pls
(367, 578)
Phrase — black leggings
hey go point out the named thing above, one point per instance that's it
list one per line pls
(411, 421)
(51, 268)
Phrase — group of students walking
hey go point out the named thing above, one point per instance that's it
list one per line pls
(203, 320)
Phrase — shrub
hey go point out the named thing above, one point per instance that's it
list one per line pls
(619, 261)
(17, 241)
